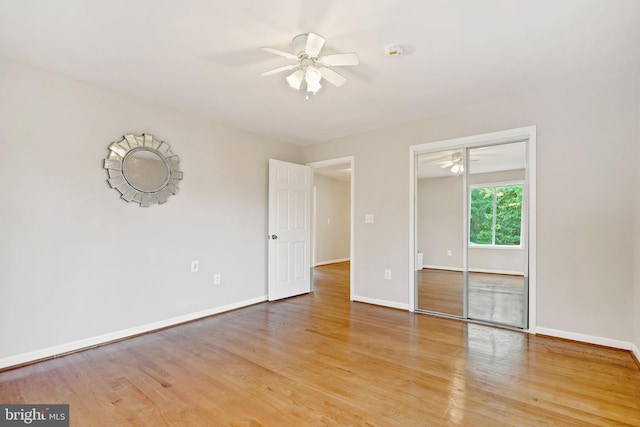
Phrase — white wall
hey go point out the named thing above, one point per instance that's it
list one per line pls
(584, 252)
(333, 207)
(76, 261)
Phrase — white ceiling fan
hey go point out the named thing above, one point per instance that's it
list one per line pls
(309, 66)
(451, 160)
(456, 164)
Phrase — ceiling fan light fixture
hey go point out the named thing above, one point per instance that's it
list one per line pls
(295, 79)
(457, 168)
(312, 77)
(313, 87)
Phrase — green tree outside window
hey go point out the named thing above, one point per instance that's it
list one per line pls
(496, 215)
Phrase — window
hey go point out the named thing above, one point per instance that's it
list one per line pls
(496, 215)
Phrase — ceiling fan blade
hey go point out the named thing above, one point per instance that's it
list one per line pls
(295, 79)
(280, 52)
(340, 59)
(314, 45)
(446, 164)
(280, 69)
(331, 76)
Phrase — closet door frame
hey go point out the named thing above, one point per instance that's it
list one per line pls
(528, 134)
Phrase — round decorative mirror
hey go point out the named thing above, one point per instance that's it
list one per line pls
(146, 170)
(143, 169)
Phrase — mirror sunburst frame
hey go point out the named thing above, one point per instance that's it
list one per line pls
(129, 191)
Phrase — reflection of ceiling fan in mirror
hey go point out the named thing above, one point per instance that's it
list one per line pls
(485, 159)
(455, 163)
(310, 67)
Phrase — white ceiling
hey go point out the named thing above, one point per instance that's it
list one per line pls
(203, 56)
(341, 172)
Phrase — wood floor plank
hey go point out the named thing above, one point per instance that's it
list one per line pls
(320, 359)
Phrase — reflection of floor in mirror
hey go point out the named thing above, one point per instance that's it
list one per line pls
(492, 297)
(440, 291)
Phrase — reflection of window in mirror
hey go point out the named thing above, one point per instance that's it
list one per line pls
(495, 215)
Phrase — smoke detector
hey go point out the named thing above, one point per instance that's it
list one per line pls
(393, 51)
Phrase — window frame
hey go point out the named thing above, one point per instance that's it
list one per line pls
(495, 185)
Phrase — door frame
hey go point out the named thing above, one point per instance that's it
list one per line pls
(330, 162)
(527, 133)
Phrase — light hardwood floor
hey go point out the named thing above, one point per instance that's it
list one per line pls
(321, 360)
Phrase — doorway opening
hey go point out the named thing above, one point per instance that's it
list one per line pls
(472, 227)
(333, 220)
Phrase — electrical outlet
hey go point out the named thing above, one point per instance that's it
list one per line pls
(195, 266)
(387, 274)
(449, 252)
(217, 279)
(368, 218)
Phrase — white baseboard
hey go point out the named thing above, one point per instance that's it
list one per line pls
(32, 356)
(334, 261)
(591, 339)
(441, 267)
(381, 302)
(476, 270)
(486, 270)
(636, 351)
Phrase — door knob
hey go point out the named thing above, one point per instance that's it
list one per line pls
(274, 237)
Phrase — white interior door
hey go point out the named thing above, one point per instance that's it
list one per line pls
(289, 229)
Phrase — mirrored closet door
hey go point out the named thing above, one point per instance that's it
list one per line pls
(497, 248)
(471, 233)
(440, 277)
